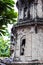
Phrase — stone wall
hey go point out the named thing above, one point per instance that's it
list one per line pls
(34, 43)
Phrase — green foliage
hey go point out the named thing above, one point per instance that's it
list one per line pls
(7, 16)
(4, 47)
(7, 13)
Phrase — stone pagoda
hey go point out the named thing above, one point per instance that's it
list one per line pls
(27, 34)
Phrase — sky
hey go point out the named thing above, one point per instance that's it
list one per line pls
(15, 6)
(15, 1)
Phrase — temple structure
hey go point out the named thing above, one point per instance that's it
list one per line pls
(27, 34)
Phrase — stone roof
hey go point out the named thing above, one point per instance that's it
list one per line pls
(29, 23)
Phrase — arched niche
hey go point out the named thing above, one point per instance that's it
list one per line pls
(22, 45)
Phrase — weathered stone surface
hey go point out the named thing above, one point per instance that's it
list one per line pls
(30, 21)
(2, 64)
(7, 60)
(33, 46)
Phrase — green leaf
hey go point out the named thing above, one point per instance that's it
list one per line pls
(7, 13)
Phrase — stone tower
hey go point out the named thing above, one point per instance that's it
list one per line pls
(27, 34)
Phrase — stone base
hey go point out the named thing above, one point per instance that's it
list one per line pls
(26, 63)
